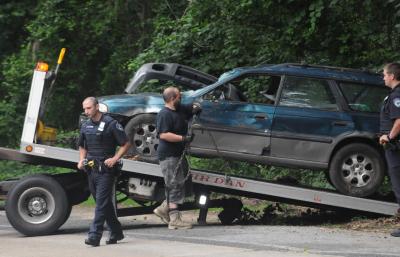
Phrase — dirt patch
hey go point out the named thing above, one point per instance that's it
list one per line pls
(258, 212)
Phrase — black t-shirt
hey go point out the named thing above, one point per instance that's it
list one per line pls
(101, 138)
(390, 110)
(175, 122)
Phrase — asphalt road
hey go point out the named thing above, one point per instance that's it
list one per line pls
(146, 236)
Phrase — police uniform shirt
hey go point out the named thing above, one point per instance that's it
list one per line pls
(390, 110)
(101, 138)
(175, 122)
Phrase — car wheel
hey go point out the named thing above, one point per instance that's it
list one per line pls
(357, 170)
(142, 134)
(37, 205)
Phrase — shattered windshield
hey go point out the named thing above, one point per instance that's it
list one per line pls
(230, 75)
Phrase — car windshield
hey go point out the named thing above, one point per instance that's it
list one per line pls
(223, 79)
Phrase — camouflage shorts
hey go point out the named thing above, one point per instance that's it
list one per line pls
(174, 179)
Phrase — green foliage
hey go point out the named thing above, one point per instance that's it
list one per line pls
(107, 40)
(67, 139)
(15, 89)
(216, 36)
(13, 17)
(12, 169)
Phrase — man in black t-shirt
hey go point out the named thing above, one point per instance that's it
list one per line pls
(172, 128)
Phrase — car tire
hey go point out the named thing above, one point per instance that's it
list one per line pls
(357, 170)
(37, 205)
(142, 134)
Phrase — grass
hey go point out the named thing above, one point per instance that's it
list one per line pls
(14, 169)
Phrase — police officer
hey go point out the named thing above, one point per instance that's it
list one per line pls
(98, 139)
(390, 128)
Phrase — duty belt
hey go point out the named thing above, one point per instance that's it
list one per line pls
(99, 166)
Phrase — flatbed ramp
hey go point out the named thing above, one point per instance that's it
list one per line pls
(213, 181)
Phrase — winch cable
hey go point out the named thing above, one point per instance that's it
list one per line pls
(187, 153)
(184, 153)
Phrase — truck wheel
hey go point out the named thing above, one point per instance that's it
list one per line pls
(142, 134)
(357, 170)
(67, 214)
(37, 205)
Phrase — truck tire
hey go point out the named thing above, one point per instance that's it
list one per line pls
(37, 205)
(357, 170)
(68, 213)
(142, 133)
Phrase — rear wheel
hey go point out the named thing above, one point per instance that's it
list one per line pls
(142, 134)
(37, 205)
(357, 170)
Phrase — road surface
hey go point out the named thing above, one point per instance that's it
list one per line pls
(146, 236)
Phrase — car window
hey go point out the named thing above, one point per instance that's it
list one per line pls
(307, 93)
(364, 98)
(252, 88)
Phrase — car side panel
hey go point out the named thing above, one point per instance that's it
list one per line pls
(234, 127)
(307, 134)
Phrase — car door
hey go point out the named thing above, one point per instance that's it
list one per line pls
(231, 123)
(307, 121)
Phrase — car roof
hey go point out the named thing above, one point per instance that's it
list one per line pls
(315, 71)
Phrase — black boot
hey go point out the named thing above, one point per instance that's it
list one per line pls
(92, 241)
(114, 238)
(395, 233)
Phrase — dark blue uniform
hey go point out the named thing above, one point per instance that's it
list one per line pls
(100, 139)
(390, 111)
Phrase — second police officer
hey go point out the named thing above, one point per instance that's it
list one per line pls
(390, 128)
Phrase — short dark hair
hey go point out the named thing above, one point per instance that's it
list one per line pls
(92, 99)
(170, 93)
(393, 68)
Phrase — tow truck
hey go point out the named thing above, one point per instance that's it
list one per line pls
(40, 204)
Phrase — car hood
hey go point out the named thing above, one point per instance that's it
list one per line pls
(180, 74)
(130, 104)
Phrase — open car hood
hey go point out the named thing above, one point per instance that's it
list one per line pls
(175, 72)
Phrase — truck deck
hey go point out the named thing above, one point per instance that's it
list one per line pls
(217, 182)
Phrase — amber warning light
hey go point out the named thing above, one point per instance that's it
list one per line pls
(42, 66)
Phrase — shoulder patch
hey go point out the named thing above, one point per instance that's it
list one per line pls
(396, 102)
(119, 126)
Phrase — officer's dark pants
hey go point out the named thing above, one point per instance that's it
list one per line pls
(101, 186)
(393, 161)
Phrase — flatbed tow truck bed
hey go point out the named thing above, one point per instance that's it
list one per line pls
(216, 182)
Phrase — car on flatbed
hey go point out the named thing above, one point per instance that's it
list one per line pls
(292, 115)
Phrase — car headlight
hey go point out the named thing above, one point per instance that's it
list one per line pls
(103, 107)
